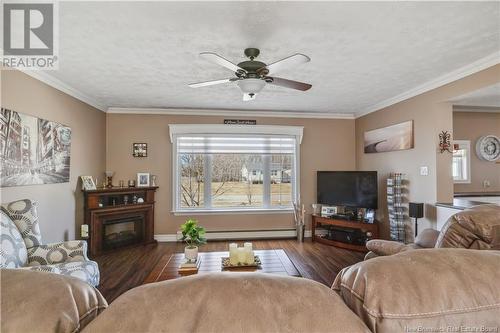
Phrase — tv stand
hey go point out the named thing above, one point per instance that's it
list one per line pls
(369, 230)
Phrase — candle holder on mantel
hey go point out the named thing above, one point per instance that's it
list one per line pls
(109, 177)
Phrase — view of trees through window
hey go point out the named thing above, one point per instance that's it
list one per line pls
(236, 180)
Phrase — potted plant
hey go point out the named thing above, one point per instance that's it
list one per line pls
(192, 234)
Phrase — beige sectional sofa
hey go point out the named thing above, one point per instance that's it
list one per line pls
(433, 290)
(436, 289)
(475, 228)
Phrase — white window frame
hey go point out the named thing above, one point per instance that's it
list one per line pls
(176, 130)
(464, 144)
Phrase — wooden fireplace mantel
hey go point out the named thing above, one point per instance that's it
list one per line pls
(114, 204)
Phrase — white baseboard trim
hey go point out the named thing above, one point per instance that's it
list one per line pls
(214, 235)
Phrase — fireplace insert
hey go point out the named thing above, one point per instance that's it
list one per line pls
(123, 231)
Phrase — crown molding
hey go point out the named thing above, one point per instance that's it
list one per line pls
(231, 113)
(65, 88)
(477, 66)
(470, 108)
(460, 73)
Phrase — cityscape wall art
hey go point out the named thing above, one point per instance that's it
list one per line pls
(33, 150)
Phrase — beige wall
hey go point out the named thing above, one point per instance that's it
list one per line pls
(103, 141)
(471, 126)
(431, 114)
(60, 205)
(326, 145)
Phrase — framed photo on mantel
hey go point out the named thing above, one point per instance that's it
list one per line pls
(88, 183)
(143, 179)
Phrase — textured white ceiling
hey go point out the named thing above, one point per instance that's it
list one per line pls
(488, 96)
(130, 54)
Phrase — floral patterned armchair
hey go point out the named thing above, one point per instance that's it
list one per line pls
(21, 246)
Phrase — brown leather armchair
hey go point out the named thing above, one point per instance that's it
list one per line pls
(475, 228)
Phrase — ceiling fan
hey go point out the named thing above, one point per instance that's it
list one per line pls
(252, 75)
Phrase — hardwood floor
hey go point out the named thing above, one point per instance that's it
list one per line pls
(127, 268)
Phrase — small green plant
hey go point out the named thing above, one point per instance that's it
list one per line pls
(193, 234)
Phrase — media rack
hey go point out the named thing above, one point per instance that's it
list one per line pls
(370, 230)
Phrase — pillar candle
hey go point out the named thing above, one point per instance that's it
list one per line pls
(249, 253)
(233, 255)
(241, 255)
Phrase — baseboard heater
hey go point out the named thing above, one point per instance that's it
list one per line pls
(239, 234)
(252, 234)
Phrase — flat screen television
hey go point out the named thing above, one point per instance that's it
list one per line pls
(348, 188)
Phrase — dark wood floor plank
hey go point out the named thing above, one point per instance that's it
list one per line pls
(125, 269)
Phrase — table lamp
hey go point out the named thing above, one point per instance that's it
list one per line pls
(416, 212)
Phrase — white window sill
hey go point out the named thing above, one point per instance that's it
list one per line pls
(232, 211)
(461, 182)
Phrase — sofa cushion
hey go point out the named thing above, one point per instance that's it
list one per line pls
(427, 238)
(13, 251)
(25, 216)
(427, 288)
(229, 302)
(43, 302)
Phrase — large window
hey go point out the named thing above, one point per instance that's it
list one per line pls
(461, 161)
(234, 172)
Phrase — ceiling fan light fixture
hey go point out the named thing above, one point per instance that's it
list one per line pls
(251, 86)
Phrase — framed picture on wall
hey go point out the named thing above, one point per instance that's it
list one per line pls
(140, 150)
(143, 179)
(390, 138)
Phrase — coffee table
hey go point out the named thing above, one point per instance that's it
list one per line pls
(273, 261)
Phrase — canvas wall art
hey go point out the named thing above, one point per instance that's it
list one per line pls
(390, 138)
(33, 150)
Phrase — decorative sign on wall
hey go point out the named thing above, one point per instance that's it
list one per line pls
(390, 138)
(240, 122)
(33, 150)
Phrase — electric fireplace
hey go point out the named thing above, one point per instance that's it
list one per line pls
(119, 217)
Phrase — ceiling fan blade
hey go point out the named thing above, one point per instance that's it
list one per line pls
(211, 83)
(289, 62)
(217, 59)
(289, 83)
(249, 97)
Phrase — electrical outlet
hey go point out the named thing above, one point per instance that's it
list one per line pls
(84, 231)
(424, 171)
(486, 183)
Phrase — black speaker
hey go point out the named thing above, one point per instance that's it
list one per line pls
(416, 210)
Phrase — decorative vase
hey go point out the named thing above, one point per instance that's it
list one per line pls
(109, 177)
(191, 253)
